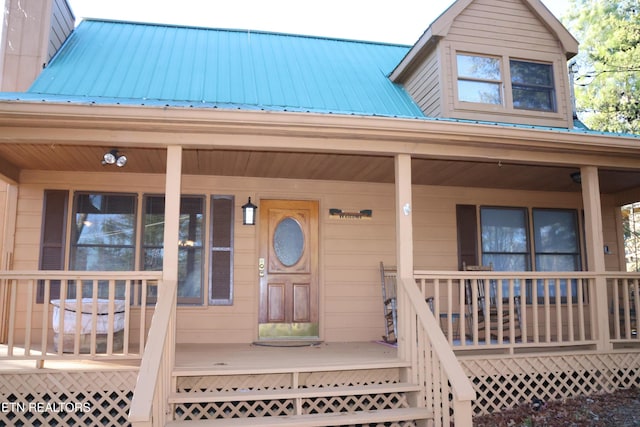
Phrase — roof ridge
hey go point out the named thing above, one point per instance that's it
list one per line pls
(243, 30)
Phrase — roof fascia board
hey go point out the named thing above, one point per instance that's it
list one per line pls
(160, 127)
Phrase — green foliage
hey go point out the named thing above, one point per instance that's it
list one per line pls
(608, 91)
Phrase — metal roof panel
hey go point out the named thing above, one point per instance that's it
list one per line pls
(107, 59)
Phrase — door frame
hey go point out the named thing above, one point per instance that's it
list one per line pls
(289, 331)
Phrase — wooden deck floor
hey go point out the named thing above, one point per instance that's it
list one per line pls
(237, 358)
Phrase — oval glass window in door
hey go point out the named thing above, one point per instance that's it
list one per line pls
(288, 242)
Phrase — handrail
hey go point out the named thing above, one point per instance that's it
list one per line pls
(152, 383)
(462, 389)
(55, 297)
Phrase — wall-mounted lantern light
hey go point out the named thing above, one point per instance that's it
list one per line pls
(249, 213)
(114, 157)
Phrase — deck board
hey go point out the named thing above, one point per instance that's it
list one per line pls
(229, 359)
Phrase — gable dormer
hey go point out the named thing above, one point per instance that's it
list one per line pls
(492, 60)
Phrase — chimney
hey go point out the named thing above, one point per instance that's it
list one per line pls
(31, 33)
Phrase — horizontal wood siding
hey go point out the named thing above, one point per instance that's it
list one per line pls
(424, 85)
(505, 27)
(350, 250)
(505, 23)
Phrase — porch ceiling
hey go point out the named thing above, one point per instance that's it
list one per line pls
(322, 166)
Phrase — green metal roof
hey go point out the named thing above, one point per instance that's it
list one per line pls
(124, 62)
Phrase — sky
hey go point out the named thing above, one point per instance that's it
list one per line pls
(399, 21)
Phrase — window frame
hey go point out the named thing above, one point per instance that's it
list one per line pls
(507, 105)
(499, 83)
(72, 219)
(533, 251)
(552, 90)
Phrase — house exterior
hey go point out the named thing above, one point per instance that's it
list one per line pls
(461, 150)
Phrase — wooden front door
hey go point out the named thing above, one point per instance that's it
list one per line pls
(288, 269)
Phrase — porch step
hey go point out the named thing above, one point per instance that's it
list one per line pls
(317, 420)
(302, 393)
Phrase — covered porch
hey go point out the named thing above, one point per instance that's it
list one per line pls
(412, 177)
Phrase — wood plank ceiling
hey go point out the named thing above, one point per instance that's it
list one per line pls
(293, 165)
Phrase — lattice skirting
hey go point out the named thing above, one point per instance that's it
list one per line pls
(59, 398)
(217, 410)
(504, 382)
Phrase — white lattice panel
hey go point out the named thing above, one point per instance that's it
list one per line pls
(504, 382)
(66, 398)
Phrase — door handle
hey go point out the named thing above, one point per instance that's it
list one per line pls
(261, 267)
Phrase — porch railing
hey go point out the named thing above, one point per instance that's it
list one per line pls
(623, 306)
(150, 398)
(71, 315)
(434, 366)
(519, 310)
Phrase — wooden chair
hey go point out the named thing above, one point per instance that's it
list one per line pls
(489, 319)
(389, 302)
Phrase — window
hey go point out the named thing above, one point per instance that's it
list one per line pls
(479, 79)
(532, 86)
(190, 241)
(557, 246)
(221, 274)
(505, 242)
(103, 232)
(103, 238)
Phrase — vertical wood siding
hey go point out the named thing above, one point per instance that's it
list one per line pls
(350, 250)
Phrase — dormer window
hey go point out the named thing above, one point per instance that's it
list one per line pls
(524, 85)
(479, 79)
(532, 86)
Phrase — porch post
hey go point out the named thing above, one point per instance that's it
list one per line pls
(7, 240)
(595, 250)
(171, 235)
(404, 243)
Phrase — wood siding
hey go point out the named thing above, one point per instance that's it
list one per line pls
(424, 86)
(350, 250)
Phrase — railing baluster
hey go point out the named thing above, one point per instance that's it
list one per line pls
(127, 315)
(94, 317)
(45, 322)
(29, 318)
(581, 318)
(12, 317)
(547, 312)
(78, 309)
(570, 319)
(111, 316)
(558, 304)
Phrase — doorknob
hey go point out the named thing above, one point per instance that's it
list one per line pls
(261, 266)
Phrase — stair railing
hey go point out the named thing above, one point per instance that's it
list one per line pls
(150, 403)
(433, 364)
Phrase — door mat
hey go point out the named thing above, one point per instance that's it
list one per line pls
(287, 343)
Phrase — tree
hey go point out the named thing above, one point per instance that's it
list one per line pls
(608, 81)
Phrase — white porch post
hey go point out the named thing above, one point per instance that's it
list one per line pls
(595, 250)
(404, 245)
